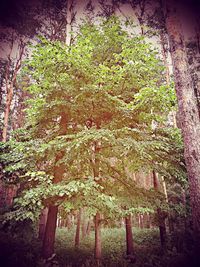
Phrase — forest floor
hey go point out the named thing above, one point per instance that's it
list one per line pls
(23, 249)
(146, 244)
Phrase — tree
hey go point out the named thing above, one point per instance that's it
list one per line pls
(188, 109)
(129, 239)
(78, 228)
(90, 105)
(12, 69)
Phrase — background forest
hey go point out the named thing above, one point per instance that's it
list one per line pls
(100, 151)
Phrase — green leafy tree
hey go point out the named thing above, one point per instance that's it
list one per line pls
(90, 115)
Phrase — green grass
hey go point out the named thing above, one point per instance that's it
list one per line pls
(147, 247)
(24, 250)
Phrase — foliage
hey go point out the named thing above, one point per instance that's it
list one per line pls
(18, 245)
(90, 115)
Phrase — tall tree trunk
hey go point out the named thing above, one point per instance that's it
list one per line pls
(78, 228)
(84, 224)
(10, 82)
(98, 238)
(129, 239)
(141, 221)
(88, 227)
(49, 237)
(42, 223)
(69, 22)
(188, 110)
(9, 98)
(164, 51)
(148, 216)
(160, 215)
(69, 222)
(50, 230)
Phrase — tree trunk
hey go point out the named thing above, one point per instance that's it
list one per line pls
(9, 98)
(84, 224)
(141, 221)
(164, 51)
(149, 224)
(69, 222)
(98, 238)
(164, 42)
(78, 228)
(129, 236)
(161, 216)
(188, 111)
(49, 237)
(171, 224)
(69, 22)
(88, 227)
(129, 239)
(50, 230)
(42, 223)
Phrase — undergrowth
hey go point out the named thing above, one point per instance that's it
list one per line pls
(23, 249)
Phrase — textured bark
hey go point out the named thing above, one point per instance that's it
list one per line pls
(193, 55)
(130, 254)
(188, 110)
(129, 236)
(69, 22)
(78, 228)
(49, 237)
(164, 187)
(83, 224)
(42, 223)
(98, 237)
(10, 82)
(164, 51)
(140, 12)
(9, 97)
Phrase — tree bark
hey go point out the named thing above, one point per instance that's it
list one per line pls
(130, 254)
(164, 51)
(161, 216)
(188, 110)
(78, 228)
(50, 230)
(129, 236)
(42, 223)
(88, 227)
(98, 237)
(9, 98)
(49, 237)
(69, 22)
(84, 224)
(10, 82)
